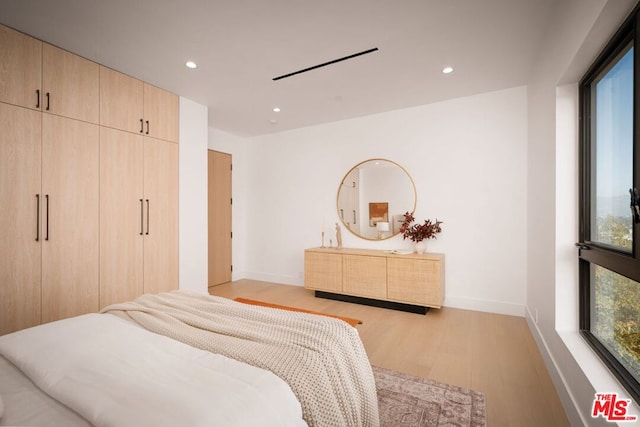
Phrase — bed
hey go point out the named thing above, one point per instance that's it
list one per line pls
(180, 358)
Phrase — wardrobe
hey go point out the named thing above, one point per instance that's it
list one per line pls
(88, 184)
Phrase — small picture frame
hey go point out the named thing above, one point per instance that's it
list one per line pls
(378, 211)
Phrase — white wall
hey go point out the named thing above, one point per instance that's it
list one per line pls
(467, 157)
(192, 172)
(498, 168)
(577, 34)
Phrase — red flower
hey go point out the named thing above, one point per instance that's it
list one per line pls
(419, 232)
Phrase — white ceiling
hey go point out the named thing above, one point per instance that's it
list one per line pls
(241, 45)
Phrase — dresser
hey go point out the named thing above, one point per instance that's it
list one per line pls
(409, 282)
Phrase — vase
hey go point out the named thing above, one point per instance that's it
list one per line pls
(421, 247)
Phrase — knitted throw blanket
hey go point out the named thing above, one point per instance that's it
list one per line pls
(321, 358)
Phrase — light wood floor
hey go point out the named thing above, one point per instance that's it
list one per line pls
(491, 353)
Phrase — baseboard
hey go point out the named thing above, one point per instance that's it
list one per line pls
(488, 306)
(274, 278)
(569, 403)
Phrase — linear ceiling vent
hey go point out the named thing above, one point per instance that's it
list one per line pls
(364, 52)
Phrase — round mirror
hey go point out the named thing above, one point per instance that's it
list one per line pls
(373, 197)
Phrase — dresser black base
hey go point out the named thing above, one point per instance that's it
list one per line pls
(373, 302)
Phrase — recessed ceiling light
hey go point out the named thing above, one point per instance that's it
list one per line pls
(447, 70)
(276, 109)
(191, 64)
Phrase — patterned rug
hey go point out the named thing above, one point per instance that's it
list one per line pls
(405, 400)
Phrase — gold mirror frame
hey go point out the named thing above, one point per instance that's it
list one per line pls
(369, 193)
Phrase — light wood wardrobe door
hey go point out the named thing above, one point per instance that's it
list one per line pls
(71, 85)
(20, 153)
(161, 113)
(121, 101)
(70, 152)
(121, 216)
(20, 68)
(161, 215)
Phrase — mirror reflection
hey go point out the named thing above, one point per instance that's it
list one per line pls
(373, 197)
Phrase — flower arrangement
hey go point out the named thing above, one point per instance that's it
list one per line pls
(419, 232)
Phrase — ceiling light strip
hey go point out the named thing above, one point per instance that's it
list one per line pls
(326, 63)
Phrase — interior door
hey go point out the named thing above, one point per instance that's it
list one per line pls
(219, 218)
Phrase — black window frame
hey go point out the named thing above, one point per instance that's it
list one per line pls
(622, 262)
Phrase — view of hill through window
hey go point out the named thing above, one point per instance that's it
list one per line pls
(613, 151)
(616, 309)
(615, 299)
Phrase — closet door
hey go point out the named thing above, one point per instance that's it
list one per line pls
(70, 153)
(20, 154)
(121, 216)
(121, 101)
(20, 68)
(160, 113)
(161, 215)
(71, 85)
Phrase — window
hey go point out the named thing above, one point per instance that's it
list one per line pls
(609, 255)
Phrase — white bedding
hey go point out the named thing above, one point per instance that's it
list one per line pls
(27, 405)
(321, 358)
(118, 374)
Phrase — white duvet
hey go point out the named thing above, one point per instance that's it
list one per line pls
(114, 373)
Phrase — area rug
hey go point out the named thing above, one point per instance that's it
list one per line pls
(405, 400)
(349, 320)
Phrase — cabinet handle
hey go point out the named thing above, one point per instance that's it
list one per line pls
(341, 213)
(141, 126)
(147, 127)
(147, 217)
(354, 217)
(37, 98)
(141, 217)
(46, 236)
(37, 217)
(47, 101)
